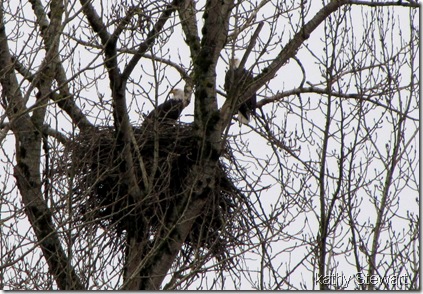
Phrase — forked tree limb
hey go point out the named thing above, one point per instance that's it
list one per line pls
(28, 133)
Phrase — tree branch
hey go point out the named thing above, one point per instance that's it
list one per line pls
(316, 90)
(291, 48)
(95, 21)
(27, 172)
(151, 37)
(201, 178)
(251, 44)
(187, 14)
(289, 51)
(405, 3)
(65, 102)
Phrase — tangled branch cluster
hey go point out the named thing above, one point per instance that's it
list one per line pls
(167, 155)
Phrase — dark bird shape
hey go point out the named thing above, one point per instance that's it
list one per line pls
(171, 109)
(241, 78)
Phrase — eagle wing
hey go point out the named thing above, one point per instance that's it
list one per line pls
(169, 110)
(241, 78)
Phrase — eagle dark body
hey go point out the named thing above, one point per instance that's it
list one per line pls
(241, 78)
(169, 110)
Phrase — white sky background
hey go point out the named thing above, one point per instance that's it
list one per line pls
(288, 77)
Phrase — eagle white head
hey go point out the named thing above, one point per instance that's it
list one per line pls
(234, 63)
(179, 95)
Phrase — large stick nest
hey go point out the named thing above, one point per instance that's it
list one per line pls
(167, 155)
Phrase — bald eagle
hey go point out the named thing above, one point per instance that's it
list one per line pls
(240, 77)
(170, 110)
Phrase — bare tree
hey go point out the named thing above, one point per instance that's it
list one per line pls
(318, 191)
